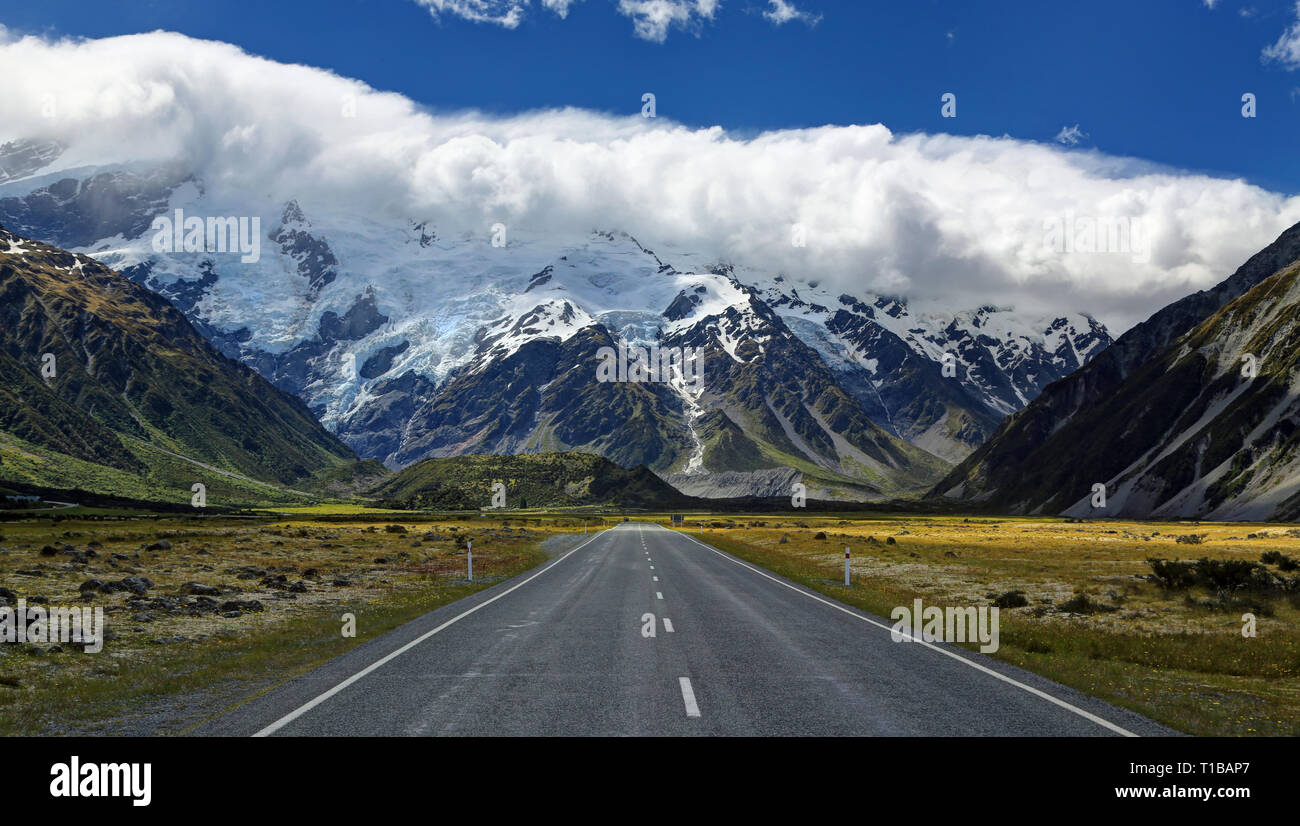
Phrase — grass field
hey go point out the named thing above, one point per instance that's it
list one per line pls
(174, 657)
(1092, 618)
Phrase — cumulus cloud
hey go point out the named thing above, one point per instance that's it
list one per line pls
(965, 219)
(1287, 48)
(781, 12)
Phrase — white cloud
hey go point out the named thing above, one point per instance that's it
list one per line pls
(651, 19)
(507, 13)
(781, 12)
(961, 218)
(560, 7)
(1287, 48)
(1070, 135)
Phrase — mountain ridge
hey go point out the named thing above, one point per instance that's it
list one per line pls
(1136, 398)
(98, 368)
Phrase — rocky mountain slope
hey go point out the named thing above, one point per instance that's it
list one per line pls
(1169, 419)
(97, 369)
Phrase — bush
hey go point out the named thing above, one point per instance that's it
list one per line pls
(820, 535)
(1011, 599)
(1081, 603)
(1221, 575)
(1281, 560)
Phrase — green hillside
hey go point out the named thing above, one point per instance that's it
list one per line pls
(531, 481)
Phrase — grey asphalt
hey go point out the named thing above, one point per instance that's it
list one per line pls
(560, 650)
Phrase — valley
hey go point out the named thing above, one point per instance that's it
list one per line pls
(236, 606)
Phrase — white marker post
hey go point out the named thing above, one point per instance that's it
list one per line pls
(470, 544)
(846, 566)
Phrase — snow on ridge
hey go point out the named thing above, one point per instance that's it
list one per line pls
(438, 291)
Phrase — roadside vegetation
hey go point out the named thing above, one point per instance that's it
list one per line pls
(1144, 615)
(202, 613)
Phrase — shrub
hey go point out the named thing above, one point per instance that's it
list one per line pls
(1222, 575)
(1011, 599)
(1081, 603)
(1281, 560)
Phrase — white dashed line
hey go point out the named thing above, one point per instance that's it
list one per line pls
(1087, 715)
(688, 696)
(668, 625)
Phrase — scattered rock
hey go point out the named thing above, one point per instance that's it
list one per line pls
(249, 605)
(137, 584)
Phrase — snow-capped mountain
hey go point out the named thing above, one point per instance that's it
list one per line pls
(408, 342)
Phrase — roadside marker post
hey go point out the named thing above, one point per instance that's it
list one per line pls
(846, 566)
(470, 544)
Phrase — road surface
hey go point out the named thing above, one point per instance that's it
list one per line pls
(736, 650)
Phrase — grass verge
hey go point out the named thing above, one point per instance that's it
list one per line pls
(1211, 683)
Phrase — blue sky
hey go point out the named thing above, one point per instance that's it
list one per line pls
(1160, 80)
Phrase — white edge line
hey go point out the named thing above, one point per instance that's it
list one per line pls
(301, 710)
(688, 696)
(1036, 692)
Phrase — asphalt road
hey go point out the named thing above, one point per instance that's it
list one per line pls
(562, 650)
